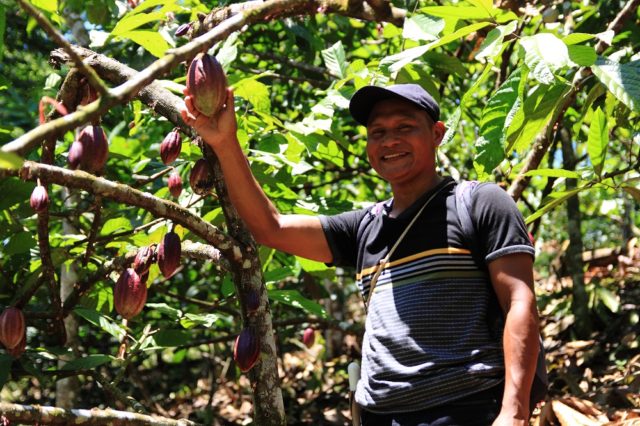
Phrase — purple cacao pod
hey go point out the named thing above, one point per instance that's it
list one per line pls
(144, 259)
(309, 337)
(12, 327)
(207, 84)
(130, 294)
(183, 30)
(39, 200)
(175, 184)
(200, 178)
(75, 154)
(170, 147)
(252, 302)
(95, 148)
(169, 252)
(246, 350)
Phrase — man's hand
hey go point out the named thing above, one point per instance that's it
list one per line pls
(216, 130)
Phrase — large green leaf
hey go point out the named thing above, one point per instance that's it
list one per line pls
(576, 38)
(116, 224)
(422, 27)
(583, 55)
(554, 199)
(492, 44)
(131, 22)
(490, 144)
(556, 173)
(297, 300)
(536, 112)
(152, 41)
(544, 55)
(20, 243)
(48, 5)
(102, 321)
(621, 80)
(9, 160)
(598, 140)
(255, 92)
(335, 59)
(88, 362)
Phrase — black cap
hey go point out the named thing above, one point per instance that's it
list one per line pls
(366, 98)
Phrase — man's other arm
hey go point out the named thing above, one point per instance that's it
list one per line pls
(512, 278)
(300, 235)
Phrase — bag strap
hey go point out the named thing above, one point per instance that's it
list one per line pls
(383, 262)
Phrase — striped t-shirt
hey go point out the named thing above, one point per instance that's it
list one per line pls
(428, 338)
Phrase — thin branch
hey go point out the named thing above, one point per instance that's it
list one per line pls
(89, 72)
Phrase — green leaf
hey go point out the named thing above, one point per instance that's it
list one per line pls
(255, 92)
(598, 140)
(621, 80)
(609, 299)
(556, 173)
(492, 44)
(297, 300)
(171, 338)
(11, 161)
(163, 308)
(584, 56)
(490, 144)
(576, 38)
(555, 199)
(536, 111)
(88, 362)
(544, 55)
(335, 59)
(152, 41)
(228, 288)
(457, 12)
(20, 243)
(311, 265)
(206, 320)
(116, 224)
(102, 321)
(48, 5)
(3, 27)
(5, 368)
(422, 27)
(132, 21)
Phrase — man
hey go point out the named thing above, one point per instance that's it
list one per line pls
(430, 355)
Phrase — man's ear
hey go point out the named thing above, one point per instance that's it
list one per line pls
(439, 130)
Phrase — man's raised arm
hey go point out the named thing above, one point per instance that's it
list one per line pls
(301, 235)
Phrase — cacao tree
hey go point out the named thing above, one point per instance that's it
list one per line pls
(167, 274)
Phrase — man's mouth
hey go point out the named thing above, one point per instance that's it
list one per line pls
(393, 156)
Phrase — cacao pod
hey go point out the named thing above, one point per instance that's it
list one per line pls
(252, 302)
(12, 327)
(246, 350)
(207, 84)
(200, 178)
(89, 94)
(169, 252)
(183, 30)
(309, 337)
(175, 184)
(20, 347)
(76, 151)
(170, 147)
(95, 148)
(39, 200)
(130, 294)
(144, 259)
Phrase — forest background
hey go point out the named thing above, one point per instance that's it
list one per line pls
(542, 97)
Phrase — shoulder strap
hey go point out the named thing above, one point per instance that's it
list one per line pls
(464, 191)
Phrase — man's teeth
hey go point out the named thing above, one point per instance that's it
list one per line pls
(389, 157)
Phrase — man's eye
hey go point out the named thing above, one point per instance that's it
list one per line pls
(404, 128)
(377, 134)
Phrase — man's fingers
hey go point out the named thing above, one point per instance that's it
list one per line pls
(230, 102)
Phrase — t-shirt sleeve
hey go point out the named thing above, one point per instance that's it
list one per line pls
(500, 225)
(342, 231)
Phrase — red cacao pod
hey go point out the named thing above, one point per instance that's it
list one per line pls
(170, 147)
(200, 178)
(95, 148)
(309, 337)
(207, 84)
(169, 252)
(246, 350)
(144, 259)
(130, 294)
(76, 151)
(175, 184)
(89, 94)
(39, 200)
(20, 347)
(252, 302)
(12, 327)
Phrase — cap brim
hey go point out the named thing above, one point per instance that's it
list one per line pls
(366, 98)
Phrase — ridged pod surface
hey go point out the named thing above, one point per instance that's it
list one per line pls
(19, 348)
(207, 84)
(246, 350)
(12, 327)
(95, 148)
(309, 337)
(130, 294)
(175, 184)
(144, 259)
(170, 147)
(169, 252)
(39, 200)
(200, 179)
(74, 158)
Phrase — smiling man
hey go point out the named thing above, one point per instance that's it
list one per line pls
(433, 352)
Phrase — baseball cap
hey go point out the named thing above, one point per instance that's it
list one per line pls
(365, 99)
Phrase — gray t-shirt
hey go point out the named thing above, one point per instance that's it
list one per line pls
(430, 333)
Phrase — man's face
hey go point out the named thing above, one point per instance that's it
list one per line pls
(401, 141)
